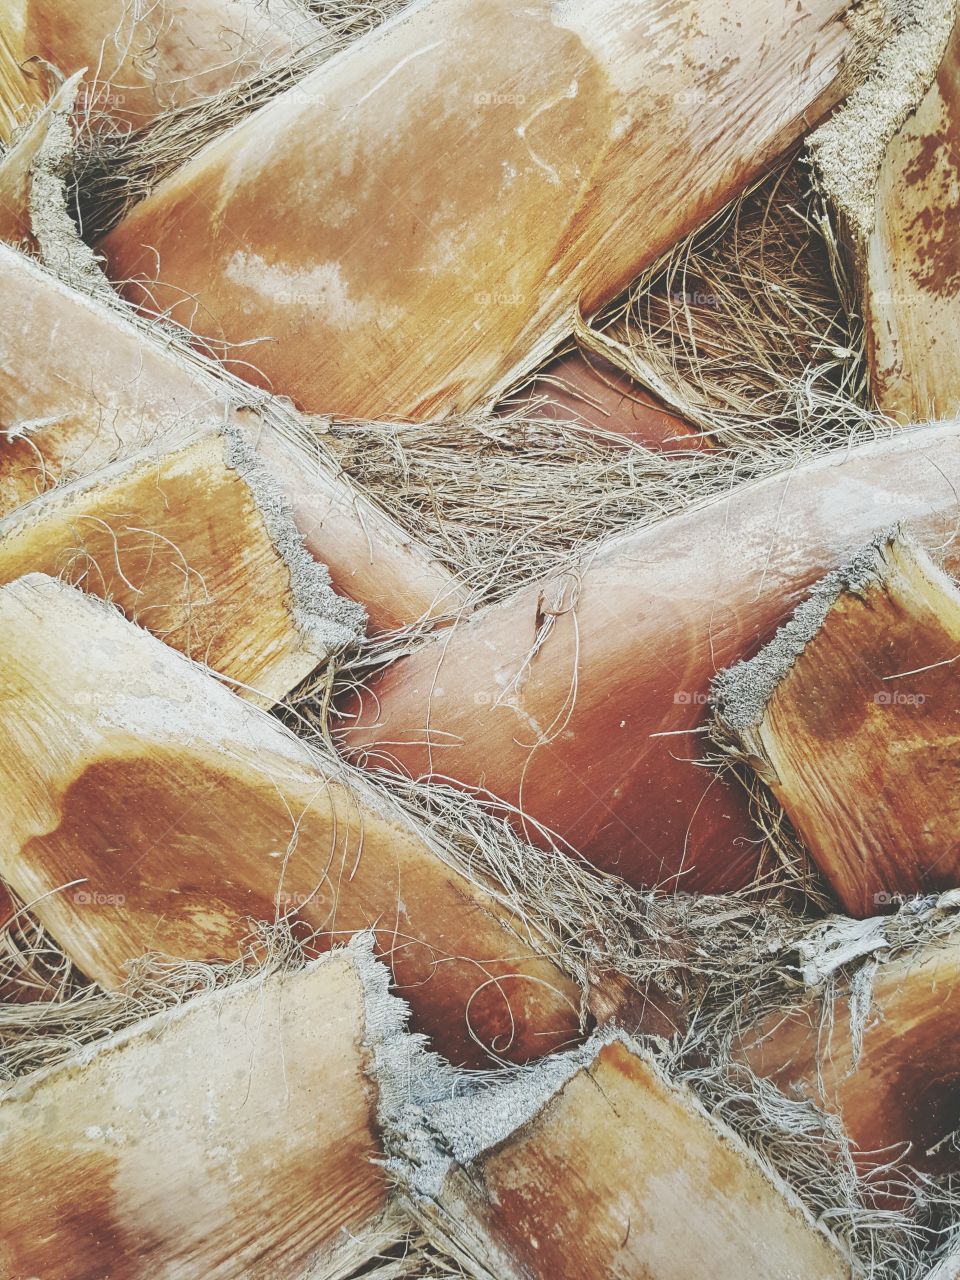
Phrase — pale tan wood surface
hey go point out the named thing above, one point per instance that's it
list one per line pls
(143, 806)
(622, 1175)
(233, 1137)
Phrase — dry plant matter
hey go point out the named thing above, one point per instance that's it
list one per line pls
(233, 1136)
(848, 715)
(196, 545)
(739, 328)
(883, 1057)
(445, 132)
(209, 814)
(580, 700)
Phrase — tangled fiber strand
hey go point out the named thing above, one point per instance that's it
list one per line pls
(741, 327)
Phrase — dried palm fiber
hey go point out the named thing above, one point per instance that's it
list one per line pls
(113, 171)
(580, 699)
(597, 1165)
(888, 168)
(728, 958)
(196, 544)
(501, 499)
(82, 385)
(740, 328)
(107, 1159)
(143, 57)
(200, 811)
(848, 716)
(884, 1059)
(568, 137)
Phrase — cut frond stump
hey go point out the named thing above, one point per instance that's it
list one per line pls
(231, 1136)
(143, 59)
(82, 387)
(884, 1056)
(421, 287)
(582, 699)
(194, 544)
(144, 807)
(888, 164)
(614, 1171)
(849, 715)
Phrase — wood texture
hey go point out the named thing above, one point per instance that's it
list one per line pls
(16, 169)
(182, 543)
(620, 1174)
(142, 60)
(81, 387)
(903, 244)
(20, 91)
(900, 1099)
(570, 734)
(176, 814)
(849, 716)
(590, 392)
(233, 1137)
(414, 226)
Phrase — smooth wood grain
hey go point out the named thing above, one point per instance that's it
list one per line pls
(143, 59)
(180, 542)
(570, 734)
(900, 1099)
(80, 387)
(621, 1174)
(176, 814)
(233, 1137)
(413, 226)
(590, 392)
(855, 730)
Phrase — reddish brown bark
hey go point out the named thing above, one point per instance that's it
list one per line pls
(574, 735)
(593, 393)
(143, 60)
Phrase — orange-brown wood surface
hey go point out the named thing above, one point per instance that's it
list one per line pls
(81, 387)
(233, 1137)
(897, 220)
(179, 542)
(574, 733)
(142, 59)
(854, 730)
(621, 1174)
(414, 225)
(590, 392)
(175, 814)
(901, 1096)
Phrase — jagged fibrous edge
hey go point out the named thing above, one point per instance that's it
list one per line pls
(740, 694)
(848, 150)
(327, 621)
